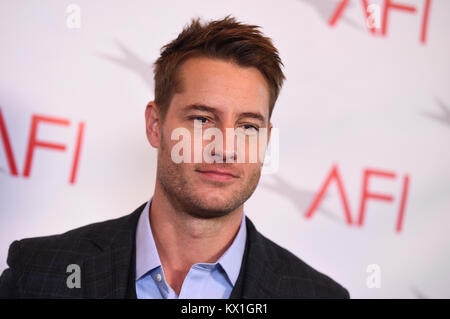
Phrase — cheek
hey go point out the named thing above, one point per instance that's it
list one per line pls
(249, 170)
(253, 151)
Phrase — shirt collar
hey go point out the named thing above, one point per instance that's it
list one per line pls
(147, 257)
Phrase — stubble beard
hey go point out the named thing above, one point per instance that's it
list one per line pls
(185, 196)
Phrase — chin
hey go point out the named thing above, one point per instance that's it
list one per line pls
(215, 197)
(211, 205)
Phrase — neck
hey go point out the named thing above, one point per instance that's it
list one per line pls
(183, 240)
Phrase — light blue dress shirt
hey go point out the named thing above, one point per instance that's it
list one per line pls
(204, 280)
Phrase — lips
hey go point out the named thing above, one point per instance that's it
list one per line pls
(218, 175)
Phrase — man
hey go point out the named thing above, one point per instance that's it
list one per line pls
(192, 239)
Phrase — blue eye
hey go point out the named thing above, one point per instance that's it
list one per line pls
(250, 128)
(201, 119)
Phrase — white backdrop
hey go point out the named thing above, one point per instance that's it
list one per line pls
(362, 104)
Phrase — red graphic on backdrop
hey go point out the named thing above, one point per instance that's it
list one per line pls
(387, 7)
(34, 143)
(366, 194)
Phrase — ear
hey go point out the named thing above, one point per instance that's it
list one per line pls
(152, 124)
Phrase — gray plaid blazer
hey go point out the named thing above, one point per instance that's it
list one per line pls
(105, 253)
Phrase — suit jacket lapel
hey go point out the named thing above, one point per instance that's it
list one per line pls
(256, 278)
(107, 274)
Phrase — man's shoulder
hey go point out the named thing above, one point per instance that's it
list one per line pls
(39, 266)
(293, 271)
(82, 241)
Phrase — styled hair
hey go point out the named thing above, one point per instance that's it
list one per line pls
(225, 39)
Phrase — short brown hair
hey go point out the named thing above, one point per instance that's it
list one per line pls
(225, 39)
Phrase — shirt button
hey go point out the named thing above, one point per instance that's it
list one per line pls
(158, 277)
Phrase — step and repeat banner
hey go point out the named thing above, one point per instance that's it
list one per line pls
(361, 189)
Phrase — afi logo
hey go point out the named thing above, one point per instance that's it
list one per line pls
(34, 143)
(371, 16)
(366, 194)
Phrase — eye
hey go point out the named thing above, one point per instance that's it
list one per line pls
(250, 129)
(201, 119)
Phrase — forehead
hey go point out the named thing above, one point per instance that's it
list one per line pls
(223, 85)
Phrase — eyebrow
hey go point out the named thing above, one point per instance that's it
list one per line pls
(200, 107)
(205, 108)
(256, 116)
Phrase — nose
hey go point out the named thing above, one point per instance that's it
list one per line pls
(224, 156)
(228, 153)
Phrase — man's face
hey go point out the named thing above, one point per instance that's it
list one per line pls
(218, 94)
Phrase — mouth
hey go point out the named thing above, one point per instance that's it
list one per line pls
(217, 175)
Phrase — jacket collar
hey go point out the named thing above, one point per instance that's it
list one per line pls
(257, 277)
(107, 274)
